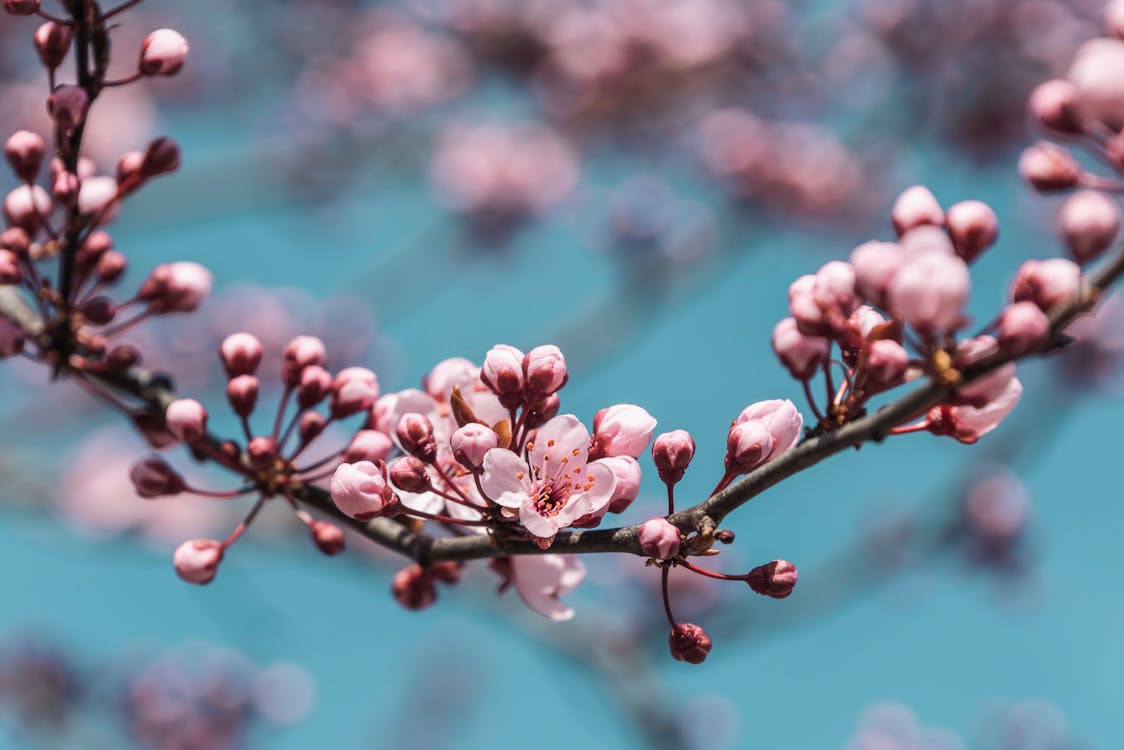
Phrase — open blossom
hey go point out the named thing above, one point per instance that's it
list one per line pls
(969, 423)
(541, 579)
(555, 485)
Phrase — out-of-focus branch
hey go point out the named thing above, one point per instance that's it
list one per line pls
(156, 392)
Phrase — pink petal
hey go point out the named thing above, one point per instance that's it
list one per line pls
(505, 479)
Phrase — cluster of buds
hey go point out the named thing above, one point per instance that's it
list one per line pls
(272, 463)
(896, 311)
(55, 248)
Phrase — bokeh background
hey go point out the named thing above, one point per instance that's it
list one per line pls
(637, 181)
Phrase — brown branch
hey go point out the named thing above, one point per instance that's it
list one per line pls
(156, 392)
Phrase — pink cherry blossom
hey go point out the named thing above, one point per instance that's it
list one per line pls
(929, 292)
(875, 264)
(541, 579)
(622, 430)
(555, 485)
(780, 419)
(969, 423)
(360, 490)
(626, 471)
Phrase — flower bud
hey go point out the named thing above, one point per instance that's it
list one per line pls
(360, 490)
(153, 477)
(540, 411)
(973, 227)
(327, 536)
(780, 418)
(1088, 222)
(311, 425)
(24, 151)
(672, 453)
(21, 7)
(314, 386)
(1046, 282)
(502, 372)
(10, 271)
(161, 157)
(176, 287)
(626, 472)
(1049, 168)
(301, 352)
(262, 451)
(659, 539)
(110, 267)
(186, 420)
(776, 579)
(415, 435)
(915, 207)
(98, 199)
(875, 264)
(413, 588)
(689, 643)
(930, 291)
(27, 207)
(12, 338)
(198, 561)
(801, 355)
(544, 368)
(805, 310)
(1057, 106)
(368, 445)
(122, 357)
(353, 390)
(409, 475)
(163, 53)
(66, 188)
(242, 392)
(470, 443)
(16, 241)
(99, 311)
(1023, 327)
(241, 354)
(748, 445)
(128, 175)
(886, 363)
(621, 430)
(52, 42)
(67, 106)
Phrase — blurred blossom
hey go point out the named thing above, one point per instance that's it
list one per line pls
(1097, 353)
(892, 726)
(797, 169)
(1029, 725)
(96, 497)
(500, 176)
(995, 515)
(39, 687)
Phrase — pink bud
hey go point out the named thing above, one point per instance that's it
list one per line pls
(1057, 105)
(502, 372)
(780, 418)
(97, 198)
(153, 477)
(262, 451)
(242, 392)
(161, 157)
(470, 443)
(163, 53)
(315, 384)
(413, 588)
(311, 425)
(415, 435)
(689, 643)
(122, 357)
(128, 175)
(12, 338)
(672, 453)
(875, 264)
(409, 474)
(301, 352)
(99, 311)
(52, 42)
(1049, 168)
(621, 430)
(659, 539)
(66, 188)
(929, 292)
(198, 561)
(886, 362)
(27, 207)
(21, 7)
(439, 381)
(110, 267)
(97, 244)
(801, 355)
(24, 151)
(544, 368)
(241, 354)
(354, 390)
(10, 271)
(916, 207)
(327, 536)
(1114, 18)
(186, 420)
(540, 411)
(1046, 282)
(1023, 327)
(626, 472)
(67, 106)
(368, 445)
(1097, 71)
(805, 310)
(16, 241)
(1088, 222)
(748, 445)
(776, 579)
(176, 287)
(360, 490)
(973, 227)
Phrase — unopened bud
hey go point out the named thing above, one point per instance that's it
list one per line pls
(470, 443)
(242, 393)
(672, 453)
(409, 474)
(52, 42)
(163, 53)
(153, 477)
(198, 561)
(24, 151)
(186, 419)
(415, 435)
(689, 643)
(413, 588)
(776, 579)
(1049, 168)
(659, 539)
(67, 106)
(241, 354)
(327, 536)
